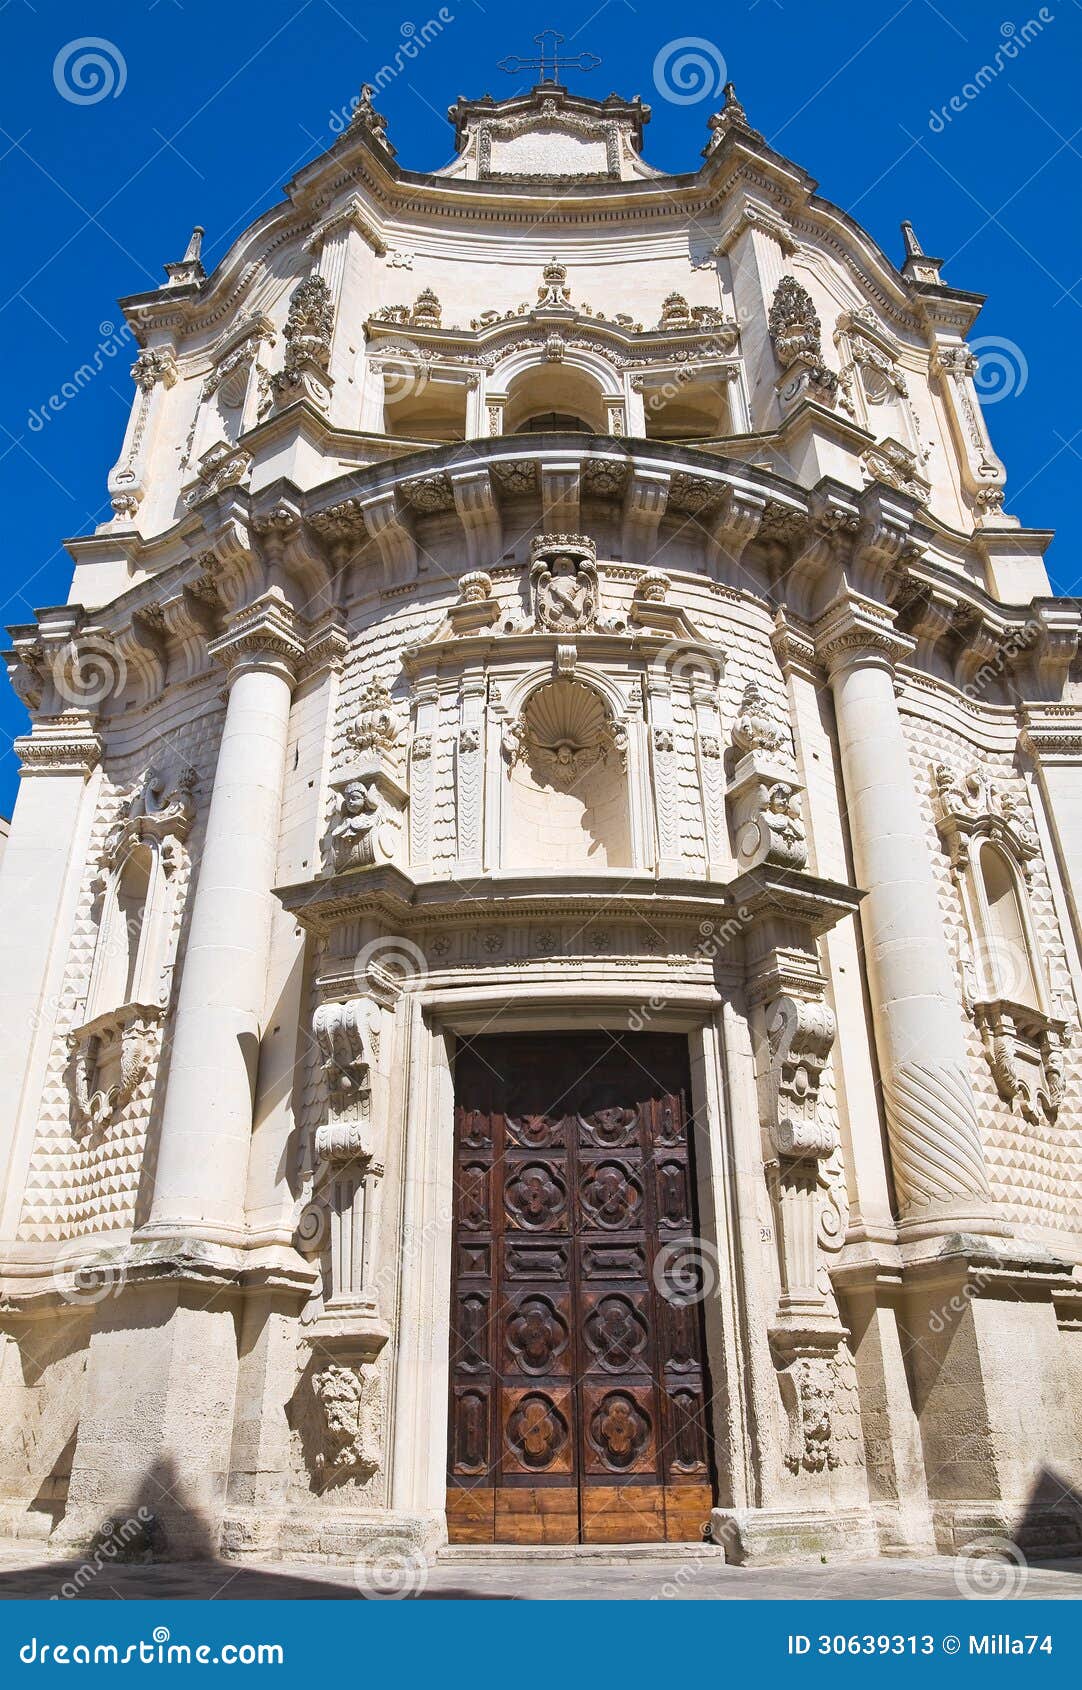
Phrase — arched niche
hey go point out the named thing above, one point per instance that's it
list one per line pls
(1006, 988)
(135, 947)
(568, 806)
(580, 383)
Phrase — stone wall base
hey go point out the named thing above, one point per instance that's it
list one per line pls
(762, 1537)
(336, 1537)
(1036, 1528)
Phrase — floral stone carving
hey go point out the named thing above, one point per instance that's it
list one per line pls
(111, 1055)
(796, 332)
(308, 329)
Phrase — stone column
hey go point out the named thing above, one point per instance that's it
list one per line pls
(161, 1386)
(935, 1143)
(207, 1117)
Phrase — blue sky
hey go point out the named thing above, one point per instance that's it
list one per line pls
(214, 105)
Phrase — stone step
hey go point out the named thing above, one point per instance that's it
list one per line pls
(616, 1554)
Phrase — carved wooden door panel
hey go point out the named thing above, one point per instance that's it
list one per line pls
(578, 1391)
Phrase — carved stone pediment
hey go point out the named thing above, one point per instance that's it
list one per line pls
(973, 805)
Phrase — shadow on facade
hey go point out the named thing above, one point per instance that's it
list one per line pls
(160, 1546)
(1051, 1525)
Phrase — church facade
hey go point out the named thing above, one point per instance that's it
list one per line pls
(541, 924)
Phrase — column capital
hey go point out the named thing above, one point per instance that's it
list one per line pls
(855, 630)
(60, 745)
(263, 635)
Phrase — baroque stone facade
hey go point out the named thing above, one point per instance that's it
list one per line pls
(616, 628)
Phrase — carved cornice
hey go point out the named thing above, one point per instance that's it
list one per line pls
(59, 746)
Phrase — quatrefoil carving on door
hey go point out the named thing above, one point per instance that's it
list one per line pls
(537, 1336)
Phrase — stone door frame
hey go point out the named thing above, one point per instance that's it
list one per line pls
(729, 1168)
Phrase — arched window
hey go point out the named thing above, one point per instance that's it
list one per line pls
(1006, 963)
(554, 422)
(133, 957)
(558, 391)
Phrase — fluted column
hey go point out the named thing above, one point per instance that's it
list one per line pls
(207, 1117)
(935, 1142)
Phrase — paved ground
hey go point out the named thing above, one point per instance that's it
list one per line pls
(540, 1579)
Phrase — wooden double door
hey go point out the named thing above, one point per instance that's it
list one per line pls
(578, 1384)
